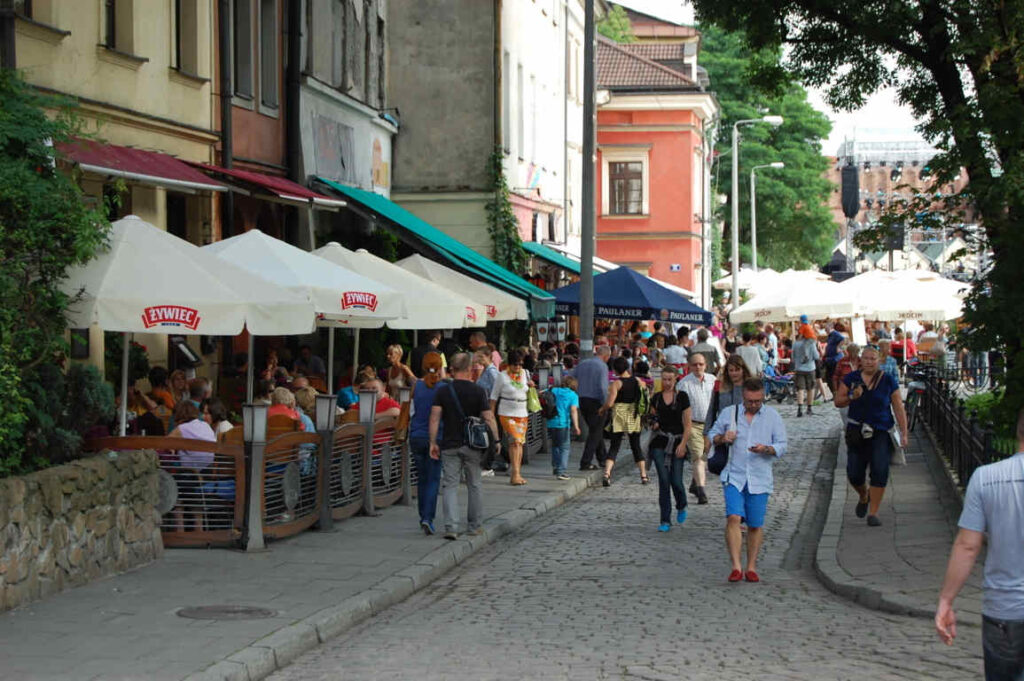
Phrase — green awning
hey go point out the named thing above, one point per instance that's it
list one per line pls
(554, 257)
(542, 303)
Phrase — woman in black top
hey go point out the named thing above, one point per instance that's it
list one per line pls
(623, 403)
(671, 423)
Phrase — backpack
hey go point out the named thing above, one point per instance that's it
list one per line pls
(476, 434)
(643, 401)
(548, 404)
(807, 351)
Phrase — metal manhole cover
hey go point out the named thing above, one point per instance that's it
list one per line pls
(225, 612)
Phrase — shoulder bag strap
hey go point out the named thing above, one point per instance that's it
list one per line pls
(458, 402)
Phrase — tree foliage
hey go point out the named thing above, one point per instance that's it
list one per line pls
(616, 26)
(45, 228)
(794, 225)
(959, 66)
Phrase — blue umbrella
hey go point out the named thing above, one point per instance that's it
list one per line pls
(625, 294)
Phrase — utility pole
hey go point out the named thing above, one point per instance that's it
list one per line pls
(588, 217)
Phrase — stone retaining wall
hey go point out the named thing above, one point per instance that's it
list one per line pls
(72, 524)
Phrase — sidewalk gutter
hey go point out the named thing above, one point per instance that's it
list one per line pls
(271, 653)
(826, 563)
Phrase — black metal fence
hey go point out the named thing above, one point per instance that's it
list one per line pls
(965, 443)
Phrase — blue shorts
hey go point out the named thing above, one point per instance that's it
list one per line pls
(750, 507)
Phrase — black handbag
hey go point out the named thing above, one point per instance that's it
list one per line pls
(476, 435)
(719, 458)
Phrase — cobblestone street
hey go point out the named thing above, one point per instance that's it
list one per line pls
(593, 591)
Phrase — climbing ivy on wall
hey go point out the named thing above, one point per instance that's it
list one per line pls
(501, 221)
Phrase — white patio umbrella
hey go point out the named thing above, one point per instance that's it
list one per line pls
(428, 305)
(891, 297)
(815, 298)
(150, 281)
(499, 306)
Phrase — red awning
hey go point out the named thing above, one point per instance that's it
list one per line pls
(137, 165)
(283, 188)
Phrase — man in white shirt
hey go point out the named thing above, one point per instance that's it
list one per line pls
(699, 387)
(674, 353)
(750, 354)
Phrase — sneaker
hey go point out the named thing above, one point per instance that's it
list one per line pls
(800, 411)
(664, 527)
(562, 476)
(810, 412)
(862, 509)
(874, 521)
(427, 527)
(488, 473)
(607, 482)
(451, 536)
(681, 516)
(702, 497)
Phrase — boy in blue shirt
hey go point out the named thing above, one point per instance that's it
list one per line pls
(567, 403)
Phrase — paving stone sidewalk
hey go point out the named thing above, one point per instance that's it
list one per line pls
(899, 566)
(317, 583)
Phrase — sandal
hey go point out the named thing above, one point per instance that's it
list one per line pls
(606, 481)
(644, 479)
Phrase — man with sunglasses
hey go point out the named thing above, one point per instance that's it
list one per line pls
(757, 438)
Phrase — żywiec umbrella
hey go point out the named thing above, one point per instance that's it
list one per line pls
(150, 281)
(626, 294)
(815, 298)
(893, 296)
(428, 305)
(499, 306)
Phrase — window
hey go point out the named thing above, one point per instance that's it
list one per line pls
(533, 117)
(382, 89)
(338, 41)
(626, 184)
(118, 25)
(520, 111)
(269, 67)
(23, 8)
(186, 36)
(506, 102)
(241, 54)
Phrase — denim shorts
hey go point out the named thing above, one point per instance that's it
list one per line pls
(751, 508)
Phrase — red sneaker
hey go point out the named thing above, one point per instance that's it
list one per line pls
(735, 576)
(752, 576)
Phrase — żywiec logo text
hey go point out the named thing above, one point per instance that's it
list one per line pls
(360, 299)
(492, 311)
(470, 314)
(170, 315)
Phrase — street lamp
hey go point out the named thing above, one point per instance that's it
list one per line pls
(770, 120)
(753, 207)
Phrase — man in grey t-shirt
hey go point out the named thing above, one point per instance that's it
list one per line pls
(993, 505)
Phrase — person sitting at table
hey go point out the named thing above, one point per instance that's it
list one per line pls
(282, 402)
(216, 414)
(178, 386)
(386, 406)
(264, 387)
(348, 397)
(158, 388)
(309, 364)
(191, 463)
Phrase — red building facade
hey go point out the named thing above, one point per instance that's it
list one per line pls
(653, 161)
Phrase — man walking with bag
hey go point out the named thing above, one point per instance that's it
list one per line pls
(592, 386)
(458, 403)
(757, 438)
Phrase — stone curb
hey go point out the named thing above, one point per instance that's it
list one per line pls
(826, 563)
(271, 653)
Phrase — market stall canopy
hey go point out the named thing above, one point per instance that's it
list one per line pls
(626, 294)
(411, 227)
(498, 305)
(428, 305)
(818, 299)
(886, 296)
(337, 294)
(150, 281)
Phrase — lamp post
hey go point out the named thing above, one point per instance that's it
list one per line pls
(556, 373)
(254, 432)
(753, 207)
(770, 120)
(325, 410)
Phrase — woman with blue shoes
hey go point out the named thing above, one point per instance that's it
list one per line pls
(671, 423)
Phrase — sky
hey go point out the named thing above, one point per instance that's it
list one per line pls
(881, 118)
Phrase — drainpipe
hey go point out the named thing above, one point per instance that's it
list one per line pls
(498, 75)
(565, 124)
(8, 54)
(226, 134)
(293, 77)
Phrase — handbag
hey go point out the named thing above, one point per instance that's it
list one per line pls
(476, 434)
(532, 401)
(719, 458)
